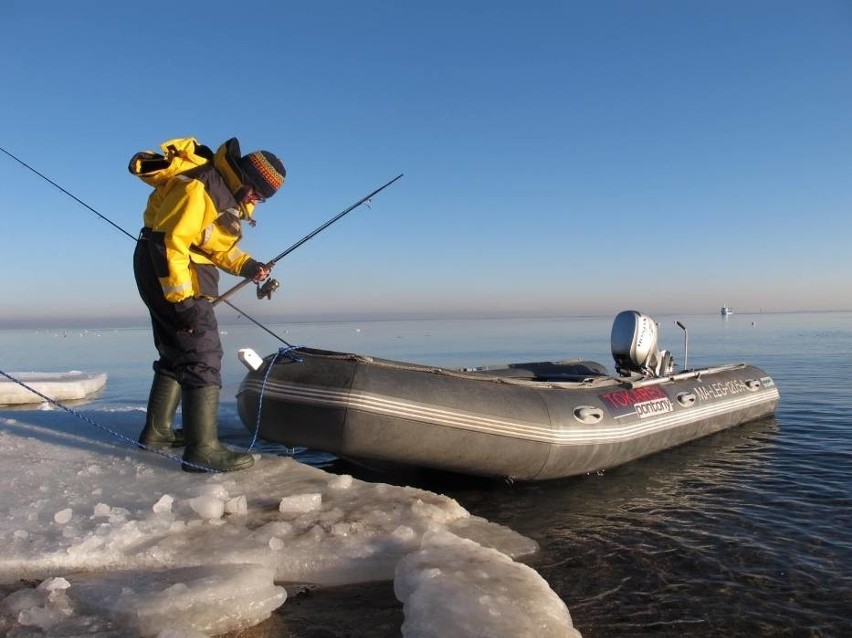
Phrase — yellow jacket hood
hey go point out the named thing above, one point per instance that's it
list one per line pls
(178, 156)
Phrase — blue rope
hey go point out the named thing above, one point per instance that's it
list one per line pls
(117, 435)
(282, 352)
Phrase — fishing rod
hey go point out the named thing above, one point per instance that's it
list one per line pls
(71, 195)
(272, 284)
(119, 228)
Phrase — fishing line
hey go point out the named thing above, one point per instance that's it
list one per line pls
(114, 433)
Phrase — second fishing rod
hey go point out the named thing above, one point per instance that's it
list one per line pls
(267, 289)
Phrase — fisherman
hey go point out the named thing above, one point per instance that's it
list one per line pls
(191, 227)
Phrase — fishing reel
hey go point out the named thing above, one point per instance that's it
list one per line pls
(268, 287)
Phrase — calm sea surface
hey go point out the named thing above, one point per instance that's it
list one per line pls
(744, 533)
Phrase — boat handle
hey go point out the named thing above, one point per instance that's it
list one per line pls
(686, 399)
(752, 384)
(250, 358)
(588, 414)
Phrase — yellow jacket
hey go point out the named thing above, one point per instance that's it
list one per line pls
(194, 220)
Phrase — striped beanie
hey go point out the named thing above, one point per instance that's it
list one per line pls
(264, 172)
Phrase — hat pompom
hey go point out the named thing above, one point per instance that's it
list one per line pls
(264, 172)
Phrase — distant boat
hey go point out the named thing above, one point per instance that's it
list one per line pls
(727, 310)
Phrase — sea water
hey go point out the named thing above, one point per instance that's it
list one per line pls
(747, 532)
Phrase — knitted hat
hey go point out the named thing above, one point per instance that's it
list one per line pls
(264, 172)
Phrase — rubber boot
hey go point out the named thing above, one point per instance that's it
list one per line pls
(203, 450)
(162, 405)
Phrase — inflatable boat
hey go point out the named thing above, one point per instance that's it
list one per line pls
(521, 421)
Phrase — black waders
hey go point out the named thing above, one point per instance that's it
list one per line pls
(201, 430)
(162, 405)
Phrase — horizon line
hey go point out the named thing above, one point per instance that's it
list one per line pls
(93, 323)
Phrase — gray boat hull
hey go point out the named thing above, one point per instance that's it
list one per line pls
(526, 422)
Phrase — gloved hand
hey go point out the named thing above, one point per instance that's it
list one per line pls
(254, 270)
(187, 314)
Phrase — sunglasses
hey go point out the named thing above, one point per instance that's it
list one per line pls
(250, 196)
(255, 197)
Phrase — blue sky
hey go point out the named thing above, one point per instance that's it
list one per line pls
(560, 158)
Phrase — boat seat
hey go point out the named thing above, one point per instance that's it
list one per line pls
(545, 370)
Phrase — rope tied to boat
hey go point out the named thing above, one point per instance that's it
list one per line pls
(108, 430)
(287, 352)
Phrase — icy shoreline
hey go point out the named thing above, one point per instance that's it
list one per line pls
(122, 540)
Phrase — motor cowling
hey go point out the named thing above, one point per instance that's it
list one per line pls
(634, 345)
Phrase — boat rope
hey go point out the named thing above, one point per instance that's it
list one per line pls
(114, 433)
(282, 352)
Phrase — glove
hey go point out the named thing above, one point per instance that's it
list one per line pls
(187, 314)
(254, 270)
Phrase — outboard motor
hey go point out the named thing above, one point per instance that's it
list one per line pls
(634, 346)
